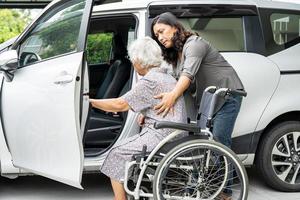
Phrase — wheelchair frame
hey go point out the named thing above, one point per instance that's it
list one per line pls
(203, 130)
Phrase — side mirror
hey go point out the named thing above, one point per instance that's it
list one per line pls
(9, 64)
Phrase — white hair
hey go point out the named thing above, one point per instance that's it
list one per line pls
(145, 51)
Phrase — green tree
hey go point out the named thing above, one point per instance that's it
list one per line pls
(99, 47)
(12, 23)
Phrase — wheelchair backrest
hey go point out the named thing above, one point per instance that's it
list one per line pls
(207, 108)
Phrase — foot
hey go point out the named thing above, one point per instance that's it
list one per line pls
(224, 196)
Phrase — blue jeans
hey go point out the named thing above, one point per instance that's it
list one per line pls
(224, 120)
(223, 124)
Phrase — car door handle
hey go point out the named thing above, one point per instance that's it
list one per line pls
(63, 79)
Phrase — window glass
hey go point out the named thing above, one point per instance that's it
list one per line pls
(55, 34)
(285, 27)
(226, 34)
(131, 36)
(99, 46)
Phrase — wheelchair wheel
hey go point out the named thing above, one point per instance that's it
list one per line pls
(200, 169)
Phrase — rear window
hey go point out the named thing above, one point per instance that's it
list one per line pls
(285, 27)
(281, 29)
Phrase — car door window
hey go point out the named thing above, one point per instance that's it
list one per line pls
(226, 34)
(55, 34)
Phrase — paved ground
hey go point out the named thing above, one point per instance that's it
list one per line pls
(98, 187)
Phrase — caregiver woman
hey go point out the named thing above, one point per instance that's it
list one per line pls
(196, 65)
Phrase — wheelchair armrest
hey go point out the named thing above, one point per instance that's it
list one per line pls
(180, 126)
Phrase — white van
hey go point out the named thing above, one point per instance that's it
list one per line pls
(74, 50)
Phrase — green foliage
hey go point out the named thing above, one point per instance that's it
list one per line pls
(12, 23)
(99, 47)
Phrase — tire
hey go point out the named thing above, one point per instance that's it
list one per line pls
(279, 168)
(199, 169)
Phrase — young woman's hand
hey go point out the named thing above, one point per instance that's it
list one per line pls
(168, 100)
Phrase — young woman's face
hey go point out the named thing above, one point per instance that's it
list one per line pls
(164, 34)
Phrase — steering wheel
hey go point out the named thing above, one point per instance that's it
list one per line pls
(29, 57)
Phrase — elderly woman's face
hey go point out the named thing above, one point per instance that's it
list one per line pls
(139, 68)
(164, 34)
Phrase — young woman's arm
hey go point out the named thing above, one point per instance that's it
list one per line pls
(168, 99)
(194, 53)
(110, 105)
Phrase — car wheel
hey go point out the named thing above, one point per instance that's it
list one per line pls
(279, 157)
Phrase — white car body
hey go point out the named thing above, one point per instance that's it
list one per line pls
(49, 143)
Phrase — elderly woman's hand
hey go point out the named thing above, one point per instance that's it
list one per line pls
(93, 101)
(168, 100)
(141, 119)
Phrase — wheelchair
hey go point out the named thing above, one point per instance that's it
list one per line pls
(189, 166)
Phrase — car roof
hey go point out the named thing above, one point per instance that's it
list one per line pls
(143, 4)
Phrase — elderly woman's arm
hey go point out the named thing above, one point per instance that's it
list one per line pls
(110, 105)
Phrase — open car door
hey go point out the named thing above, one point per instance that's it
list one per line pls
(42, 106)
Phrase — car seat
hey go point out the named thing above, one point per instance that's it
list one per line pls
(118, 73)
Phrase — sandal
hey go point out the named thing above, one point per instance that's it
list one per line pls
(224, 196)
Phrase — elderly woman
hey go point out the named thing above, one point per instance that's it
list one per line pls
(145, 54)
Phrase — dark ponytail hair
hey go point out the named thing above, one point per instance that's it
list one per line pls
(170, 55)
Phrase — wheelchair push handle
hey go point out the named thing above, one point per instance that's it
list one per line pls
(237, 92)
(225, 91)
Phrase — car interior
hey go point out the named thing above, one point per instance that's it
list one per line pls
(110, 75)
(224, 38)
